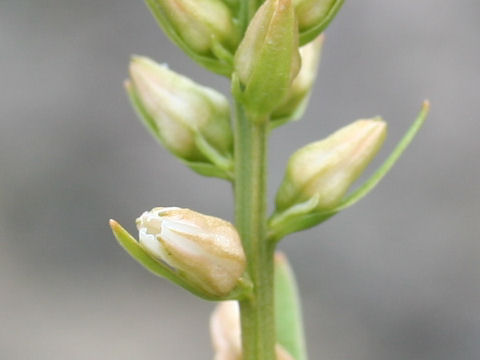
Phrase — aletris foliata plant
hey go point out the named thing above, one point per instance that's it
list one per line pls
(270, 51)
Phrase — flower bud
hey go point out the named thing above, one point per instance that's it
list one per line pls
(192, 121)
(226, 332)
(267, 59)
(199, 25)
(206, 249)
(314, 16)
(293, 106)
(324, 170)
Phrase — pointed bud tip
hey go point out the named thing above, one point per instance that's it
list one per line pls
(113, 224)
(283, 5)
(426, 105)
(142, 61)
(376, 123)
(280, 257)
(136, 60)
(136, 57)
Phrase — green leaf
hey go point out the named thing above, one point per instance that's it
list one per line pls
(288, 312)
(291, 221)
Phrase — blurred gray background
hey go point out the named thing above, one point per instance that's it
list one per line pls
(396, 277)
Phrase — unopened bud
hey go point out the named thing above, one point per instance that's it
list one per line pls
(267, 59)
(226, 332)
(180, 113)
(207, 250)
(296, 101)
(314, 16)
(326, 169)
(198, 24)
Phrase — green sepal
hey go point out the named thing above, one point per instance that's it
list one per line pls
(299, 217)
(280, 225)
(288, 312)
(133, 248)
(223, 54)
(207, 169)
(233, 5)
(220, 167)
(311, 33)
(295, 116)
(212, 64)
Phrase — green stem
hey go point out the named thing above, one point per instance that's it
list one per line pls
(257, 312)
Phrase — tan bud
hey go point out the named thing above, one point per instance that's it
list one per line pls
(199, 23)
(327, 168)
(177, 110)
(226, 333)
(206, 249)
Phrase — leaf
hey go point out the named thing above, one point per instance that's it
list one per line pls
(288, 312)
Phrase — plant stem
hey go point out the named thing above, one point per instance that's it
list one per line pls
(257, 312)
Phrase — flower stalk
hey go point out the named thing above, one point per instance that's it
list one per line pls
(257, 312)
